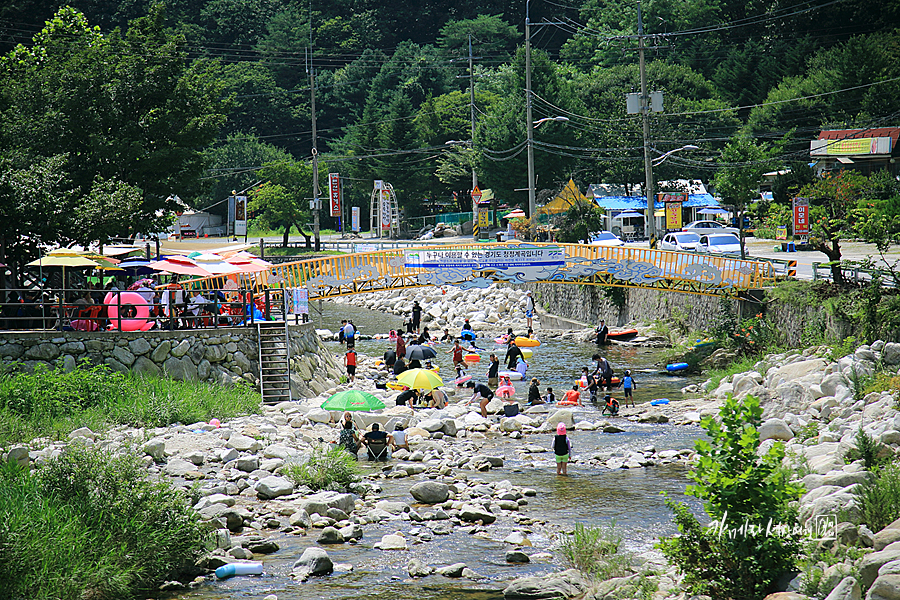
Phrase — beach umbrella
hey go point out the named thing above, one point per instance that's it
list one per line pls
(417, 352)
(136, 265)
(516, 214)
(139, 283)
(353, 400)
(247, 263)
(628, 214)
(64, 258)
(214, 263)
(712, 210)
(181, 265)
(420, 379)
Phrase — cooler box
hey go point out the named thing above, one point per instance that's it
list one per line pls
(511, 410)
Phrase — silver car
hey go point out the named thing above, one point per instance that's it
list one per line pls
(708, 228)
(723, 243)
(680, 240)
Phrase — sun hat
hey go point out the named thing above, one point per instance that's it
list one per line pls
(561, 429)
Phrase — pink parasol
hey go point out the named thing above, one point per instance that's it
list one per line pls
(140, 282)
(181, 265)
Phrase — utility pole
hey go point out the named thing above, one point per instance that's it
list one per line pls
(645, 117)
(472, 109)
(529, 125)
(315, 204)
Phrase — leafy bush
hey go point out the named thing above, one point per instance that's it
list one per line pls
(53, 402)
(740, 489)
(879, 498)
(872, 453)
(91, 525)
(595, 551)
(327, 468)
(741, 365)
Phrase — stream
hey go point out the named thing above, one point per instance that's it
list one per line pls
(630, 497)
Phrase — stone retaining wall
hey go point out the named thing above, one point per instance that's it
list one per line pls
(223, 355)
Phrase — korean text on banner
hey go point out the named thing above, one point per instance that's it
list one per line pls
(299, 301)
(801, 216)
(334, 188)
(484, 259)
(484, 216)
(240, 215)
(673, 215)
(354, 218)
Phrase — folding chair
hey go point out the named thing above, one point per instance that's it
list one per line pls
(377, 449)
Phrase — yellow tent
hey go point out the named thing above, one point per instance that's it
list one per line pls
(564, 200)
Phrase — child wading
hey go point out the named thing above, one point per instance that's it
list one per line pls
(628, 385)
(562, 448)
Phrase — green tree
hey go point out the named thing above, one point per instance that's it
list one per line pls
(741, 167)
(740, 487)
(492, 38)
(577, 223)
(833, 203)
(128, 107)
(283, 200)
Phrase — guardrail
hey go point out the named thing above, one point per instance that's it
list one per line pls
(854, 272)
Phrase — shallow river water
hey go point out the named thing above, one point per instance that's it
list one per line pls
(591, 496)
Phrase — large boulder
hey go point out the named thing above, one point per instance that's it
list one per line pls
(314, 561)
(563, 415)
(870, 563)
(886, 587)
(430, 492)
(273, 487)
(568, 584)
(847, 589)
(887, 536)
(775, 429)
(795, 371)
(321, 502)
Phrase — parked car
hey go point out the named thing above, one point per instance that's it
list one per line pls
(680, 240)
(708, 228)
(606, 238)
(723, 243)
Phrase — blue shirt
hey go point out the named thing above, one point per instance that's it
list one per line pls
(628, 382)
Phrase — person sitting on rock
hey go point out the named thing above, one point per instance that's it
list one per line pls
(399, 438)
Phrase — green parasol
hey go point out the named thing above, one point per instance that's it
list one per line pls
(353, 400)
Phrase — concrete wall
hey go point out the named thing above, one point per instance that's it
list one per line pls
(222, 355)
(589, 304)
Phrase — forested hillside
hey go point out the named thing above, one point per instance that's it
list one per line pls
(115, 105)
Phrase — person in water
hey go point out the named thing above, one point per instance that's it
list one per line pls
(562, 448)
(534, 392)
(628, 385)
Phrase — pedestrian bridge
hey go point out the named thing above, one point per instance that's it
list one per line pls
(479, 265)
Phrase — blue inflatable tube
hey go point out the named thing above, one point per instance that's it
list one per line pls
(674, 367)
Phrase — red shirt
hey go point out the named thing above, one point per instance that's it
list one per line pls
(351, 359)
(573, 396)
(457, 354)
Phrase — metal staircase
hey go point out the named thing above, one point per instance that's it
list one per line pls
(274, 361)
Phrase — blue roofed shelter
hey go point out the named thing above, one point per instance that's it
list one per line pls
(615, 200)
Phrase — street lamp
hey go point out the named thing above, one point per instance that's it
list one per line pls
(662, 158)
(545, 119)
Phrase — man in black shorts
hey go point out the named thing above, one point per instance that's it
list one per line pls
(479, 389)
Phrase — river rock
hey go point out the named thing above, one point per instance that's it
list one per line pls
(870, 563)
(472, 513)
(178, 467)
(273, 487)
(847, 589)
(319, 415)
(243, 443)
(454, 570)
(416, 568)
(393, 541)
(517, 557)
(887, 536)
(430, 492)
(320, 503)
(568, 584)
(886, 587)
(517, 538)
(330, 535)
(775, 429)
(314, 561)
(563, 415)
(353, 531)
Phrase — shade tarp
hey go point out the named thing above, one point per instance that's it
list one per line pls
(564, 200)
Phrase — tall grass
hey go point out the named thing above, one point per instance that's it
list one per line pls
(52, 402)
(595, 552)
(879, 498)
(327, 468)
(91, 525)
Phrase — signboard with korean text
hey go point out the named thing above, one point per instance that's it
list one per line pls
(299, 301)
(478, 259)
(801, 216)
(851, 146)
(240, 215)
(484, 216)
(354, 219)
(673, 203)
(334, 193)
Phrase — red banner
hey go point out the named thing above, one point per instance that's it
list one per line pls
(334, 188)
(801, 216)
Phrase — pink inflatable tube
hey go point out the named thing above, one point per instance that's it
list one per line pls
(128, 299)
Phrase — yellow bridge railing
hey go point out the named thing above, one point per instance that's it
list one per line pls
(685, 272)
